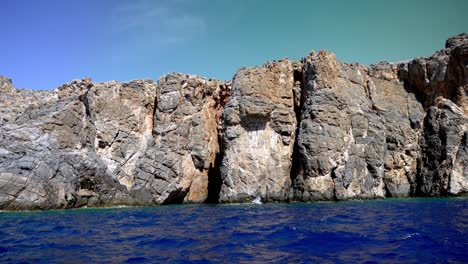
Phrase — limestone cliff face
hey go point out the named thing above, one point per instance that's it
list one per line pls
(183, 146)
(47, 157)
(259, 133)
(315, 129)
(358, 132)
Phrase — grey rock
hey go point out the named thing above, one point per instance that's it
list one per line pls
(444, 158)
(358, 133)
(456, 40)
(48, 158)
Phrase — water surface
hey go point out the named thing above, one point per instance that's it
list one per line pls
(385, 231)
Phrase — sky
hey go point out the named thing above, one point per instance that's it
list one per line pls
(44, 44)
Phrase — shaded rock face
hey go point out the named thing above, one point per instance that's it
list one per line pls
(441, 83)
(315, 129)
(444, 161)
(184, 145)
(259, 132)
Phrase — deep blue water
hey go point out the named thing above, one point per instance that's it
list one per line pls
(385, 231)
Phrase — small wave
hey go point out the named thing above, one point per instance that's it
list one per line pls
(257, 200)
(410, 235)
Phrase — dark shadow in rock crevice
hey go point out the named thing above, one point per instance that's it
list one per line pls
(254, 123)
(298, 106)
(176, 197)
(214, 180)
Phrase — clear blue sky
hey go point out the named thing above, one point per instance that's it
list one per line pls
(46, 43)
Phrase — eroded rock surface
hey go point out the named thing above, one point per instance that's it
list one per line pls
(259, 133)
(444, 161)
(315, 129)
(358, 132)
(183, 149)
(443, 74)
(47, 157)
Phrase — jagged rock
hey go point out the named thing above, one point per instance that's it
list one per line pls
(441, 85)
(176, 163)
(122, 115)
(259, 132)
(6, 85)
(338, 139)
(456, 40)
(444, 166)
(315, 129)
(358, 132)
(46, 154)
(443, 74)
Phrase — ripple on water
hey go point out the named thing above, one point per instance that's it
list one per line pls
(413, 230)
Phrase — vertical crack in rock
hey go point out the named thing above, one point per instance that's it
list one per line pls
(298, 105)
(214, 173)
(176, 165)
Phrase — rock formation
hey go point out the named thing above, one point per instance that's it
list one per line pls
(184, 142)
(358, 133)
(259, 133)
(310, 130)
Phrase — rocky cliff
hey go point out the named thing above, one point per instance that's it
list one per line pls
(310, 130)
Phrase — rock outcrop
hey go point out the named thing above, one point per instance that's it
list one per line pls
(444, 161)
(46, 152)
(6, 85)
(358, 133)
(259, 133)
(184, 142)
(311, 130)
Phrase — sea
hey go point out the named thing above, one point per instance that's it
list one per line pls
(417, 230)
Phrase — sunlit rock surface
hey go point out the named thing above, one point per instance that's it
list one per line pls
(183, 145)
(259, 132)
(308, 130)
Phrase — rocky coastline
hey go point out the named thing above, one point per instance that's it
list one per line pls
(311, 130)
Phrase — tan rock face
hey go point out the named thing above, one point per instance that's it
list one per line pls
(259, 133)
(122, 115)
(6, 85)
(184, 146)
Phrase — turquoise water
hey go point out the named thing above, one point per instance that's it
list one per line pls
(385, 231)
